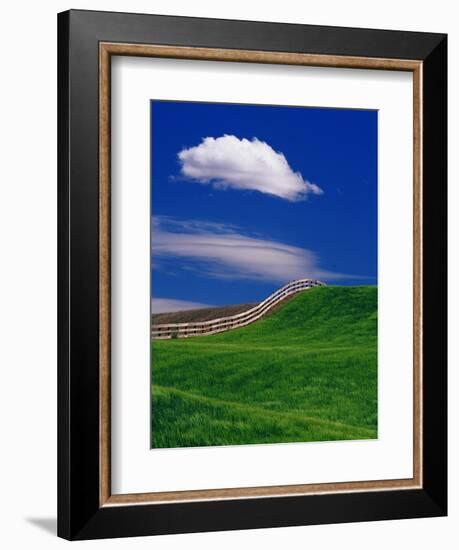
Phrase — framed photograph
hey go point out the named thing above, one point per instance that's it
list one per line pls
(252, 275)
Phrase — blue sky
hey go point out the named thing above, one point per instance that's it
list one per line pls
(245, 198)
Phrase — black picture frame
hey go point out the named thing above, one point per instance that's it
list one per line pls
(80, 515)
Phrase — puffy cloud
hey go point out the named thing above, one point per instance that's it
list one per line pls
(213, 250)
(230, 162)
(168, 305)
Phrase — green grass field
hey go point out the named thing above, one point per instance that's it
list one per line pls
(307, 372)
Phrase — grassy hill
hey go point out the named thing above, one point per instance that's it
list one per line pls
(308, 372)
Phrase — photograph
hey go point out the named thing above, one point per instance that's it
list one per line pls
(229, 287)
(264, 275)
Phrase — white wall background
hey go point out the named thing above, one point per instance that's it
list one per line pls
(28, 270)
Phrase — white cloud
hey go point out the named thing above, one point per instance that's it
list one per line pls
(168, 305)
(217, 251)
(228, 161)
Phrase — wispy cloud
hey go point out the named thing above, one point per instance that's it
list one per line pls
(230, 162)
(213, 249)
(168, 305)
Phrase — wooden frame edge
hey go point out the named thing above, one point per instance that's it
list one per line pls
(418, 365)
(106, 50)
(104, 276)
(271, 491)
(257, 56)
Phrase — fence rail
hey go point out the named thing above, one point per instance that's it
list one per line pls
(204, 328)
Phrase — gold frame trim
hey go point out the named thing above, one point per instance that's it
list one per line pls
(106, 51)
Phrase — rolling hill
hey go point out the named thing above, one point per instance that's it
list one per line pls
(307, 372)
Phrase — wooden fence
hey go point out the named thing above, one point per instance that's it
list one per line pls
(204, 328)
